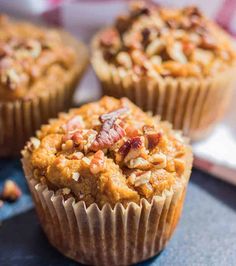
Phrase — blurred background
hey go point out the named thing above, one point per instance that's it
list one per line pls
(215, 155)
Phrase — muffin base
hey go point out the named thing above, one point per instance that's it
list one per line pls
(118, 236)
(21, 118)
(192, 105)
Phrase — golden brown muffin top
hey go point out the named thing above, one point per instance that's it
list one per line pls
(28, 55)
(108, 152)
(166, 42)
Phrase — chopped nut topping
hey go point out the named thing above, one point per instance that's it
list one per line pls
(102, 165)
(110, 132)
(66, 191)
(169, 35)
(74, 123)
(75, 176)
(139, 163)
(153, 140)
(133, 143)
(35, 142)
(86, 161)
(97, 163)
(27, 52)
(142, 179)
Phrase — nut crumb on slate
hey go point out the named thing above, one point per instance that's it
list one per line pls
(163, 42)
(102, 165)
(11, 191)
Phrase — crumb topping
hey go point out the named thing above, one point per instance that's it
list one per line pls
(108, 151)
(29, 57)
(166, 42)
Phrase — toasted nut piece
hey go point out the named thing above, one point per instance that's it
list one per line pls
(156, 60)
(170, 165)
(179, 166)
(77, 155)
(201, 56)
(11, 191)
(68, 145)
(142, 179)
(97, 163)
(124, 59)
(139, 163)
(74, 123)
(138, 57)
(35, 142)
(75, 176)
(175, 51)
(131, 178)
(155, 47)
(159, 159)
(86, 161)
(66, 191)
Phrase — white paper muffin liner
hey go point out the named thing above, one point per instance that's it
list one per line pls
(108, 236)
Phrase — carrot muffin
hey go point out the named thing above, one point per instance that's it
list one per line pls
(111, 174)
(39, 70)
(173, 62)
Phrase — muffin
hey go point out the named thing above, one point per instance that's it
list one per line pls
(39, 70)
(172, 62)
(108, 182)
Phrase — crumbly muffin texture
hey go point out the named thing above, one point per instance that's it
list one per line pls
(32, 60)
(150, 40)
(107, 152)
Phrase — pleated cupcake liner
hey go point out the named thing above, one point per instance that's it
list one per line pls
(192, 105)
(21, 118)
(108, 236)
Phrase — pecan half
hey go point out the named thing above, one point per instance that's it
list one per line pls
(110, 132)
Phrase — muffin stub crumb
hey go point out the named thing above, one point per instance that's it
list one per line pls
(108, 152)
(151, 40)
(11, 191)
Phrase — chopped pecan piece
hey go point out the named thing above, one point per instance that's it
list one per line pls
(153, 140)
(113, 115)
(123, 23)
(192, 11)
(110, 132)
(207, 42)
(11, 191)
(97, 163)
(133, 143)
(73, 124)
(109, 38)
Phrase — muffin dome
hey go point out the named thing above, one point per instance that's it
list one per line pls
(32, 60)
(108, 152)
(166, 42)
